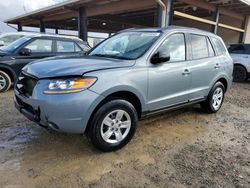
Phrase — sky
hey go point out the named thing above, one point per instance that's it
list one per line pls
(13, 8)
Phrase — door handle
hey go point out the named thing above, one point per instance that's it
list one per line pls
(186, 72)
(217, 66)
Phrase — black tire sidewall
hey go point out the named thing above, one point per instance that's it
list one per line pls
(243, 76)
(8, 81)
(95, 129)
(217, 85)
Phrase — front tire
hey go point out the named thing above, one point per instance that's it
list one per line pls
(113, 125)
(5, 82)
(215, 99)
(239, 74)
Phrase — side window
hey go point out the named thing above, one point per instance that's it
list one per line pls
(174, 46)
(210, 48)
(65, 46)
(199, 46)
(219, 47)
(40, 46)
(239, 49)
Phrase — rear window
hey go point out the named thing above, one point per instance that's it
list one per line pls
(237, 49)
(199, 46)
(219, 47)
(65, 46)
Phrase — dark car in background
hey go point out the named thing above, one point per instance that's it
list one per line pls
(32, 47)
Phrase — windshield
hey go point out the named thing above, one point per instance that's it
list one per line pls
(13, 46)
(127, 45)
(9, 39)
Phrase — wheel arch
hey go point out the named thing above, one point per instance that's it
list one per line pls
(127, 95)
(238, 64)
(8, 71)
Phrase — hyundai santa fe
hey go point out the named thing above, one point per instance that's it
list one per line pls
(134, 74)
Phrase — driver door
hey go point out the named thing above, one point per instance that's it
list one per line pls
(169, 82)
(40, 48)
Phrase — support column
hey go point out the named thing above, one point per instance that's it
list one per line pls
(214, 28)
(170, 12)
(42, 26)
(56, 31)
(82, 24)
(165, 18)
(243, 25)
(19, 27)
(158, 18)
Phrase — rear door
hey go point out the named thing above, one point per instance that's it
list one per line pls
(203, 67)
(64, 47)
(169, 82)
(40, 48)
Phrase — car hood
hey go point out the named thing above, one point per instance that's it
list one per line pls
(73, 66)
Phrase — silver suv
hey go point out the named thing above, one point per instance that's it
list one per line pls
(133, 74)
(241, 58)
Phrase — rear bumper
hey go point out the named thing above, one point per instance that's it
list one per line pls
(64, 113)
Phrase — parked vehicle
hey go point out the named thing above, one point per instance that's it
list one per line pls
(32, 47)
(241, 57)
(133, 74)
(8, 38)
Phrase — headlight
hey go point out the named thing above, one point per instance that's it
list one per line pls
(72, 85)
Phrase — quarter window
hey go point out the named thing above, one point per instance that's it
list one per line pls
(40, 46)
(174, 46)
(199, 46)
(65, 46)
(219, 47)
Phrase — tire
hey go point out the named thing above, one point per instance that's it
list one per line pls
(209, 105)
(240, 73)
(110, 136)
(5, 82)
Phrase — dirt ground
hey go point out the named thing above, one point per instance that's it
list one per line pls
(184, 148)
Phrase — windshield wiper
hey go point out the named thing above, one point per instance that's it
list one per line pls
(111, 56)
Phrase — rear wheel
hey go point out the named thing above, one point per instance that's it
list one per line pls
(240, 73)
(5, 82)
(113, 125)
(215, 99)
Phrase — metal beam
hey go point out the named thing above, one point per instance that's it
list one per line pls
(209, 6)
(82, 24)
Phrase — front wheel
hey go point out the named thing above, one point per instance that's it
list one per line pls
(5, 82)
(113, 125)
(215, 99)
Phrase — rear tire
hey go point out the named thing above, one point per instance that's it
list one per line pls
(239, 74)
(113, 125)
(5, 82)
(215, 99)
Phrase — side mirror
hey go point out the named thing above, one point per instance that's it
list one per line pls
(159, 58)
(1, 43)
(25, 52)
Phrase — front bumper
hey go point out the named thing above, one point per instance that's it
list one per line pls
(68, 113)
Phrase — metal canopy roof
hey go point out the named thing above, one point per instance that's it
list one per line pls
(114, 15)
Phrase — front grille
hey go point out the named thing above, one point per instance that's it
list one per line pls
(25, 84)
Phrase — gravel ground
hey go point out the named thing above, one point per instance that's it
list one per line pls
(184, 148)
